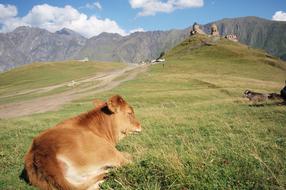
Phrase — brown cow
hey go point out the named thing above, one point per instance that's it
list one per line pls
(75, 154)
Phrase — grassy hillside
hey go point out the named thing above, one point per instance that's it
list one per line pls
(255, 32)
(198, 132)
(39, 75)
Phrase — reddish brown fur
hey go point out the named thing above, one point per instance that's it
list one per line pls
(87, 141)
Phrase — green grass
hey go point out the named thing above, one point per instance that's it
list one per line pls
(198, 132)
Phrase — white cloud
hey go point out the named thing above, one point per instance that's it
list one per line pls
(94, 5)
(279, 16)
(136, 30)
(7, 11)
(151, 7)
(55, 18)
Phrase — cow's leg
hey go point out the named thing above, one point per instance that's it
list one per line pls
(96, 185)
(91, 157)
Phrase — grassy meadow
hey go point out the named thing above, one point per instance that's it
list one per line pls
(41, 75)
(198, 131)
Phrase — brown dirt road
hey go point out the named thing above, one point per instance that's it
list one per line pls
(104, 82)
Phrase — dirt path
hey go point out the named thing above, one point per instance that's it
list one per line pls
(52, 87)
(105, 81)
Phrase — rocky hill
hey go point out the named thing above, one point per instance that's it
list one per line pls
(256, 32)
(26, 45)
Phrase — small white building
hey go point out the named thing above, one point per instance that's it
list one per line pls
(160, 60)
(157, 61)
(84, 59)
(232, 37)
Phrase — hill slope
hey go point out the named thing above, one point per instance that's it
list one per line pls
(40, 79)
(198, 132)
(221, 50)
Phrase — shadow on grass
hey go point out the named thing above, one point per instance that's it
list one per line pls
(269, 104)
(24, 176)
(256, 105)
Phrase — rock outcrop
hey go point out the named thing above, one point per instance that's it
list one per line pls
(196, 29)
(214, 30)
(232, 37)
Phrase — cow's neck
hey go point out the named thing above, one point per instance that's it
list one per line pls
(102, 124)
(106, 129)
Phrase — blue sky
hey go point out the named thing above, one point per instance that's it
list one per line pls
(90, 17)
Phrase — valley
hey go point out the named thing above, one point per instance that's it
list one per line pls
(50, 98)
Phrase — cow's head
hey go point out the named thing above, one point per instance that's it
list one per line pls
(246, 93)
(124, 116)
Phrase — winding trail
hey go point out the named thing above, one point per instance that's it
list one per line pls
(105, 81)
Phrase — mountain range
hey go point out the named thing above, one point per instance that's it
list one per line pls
(256, 32)
(26, 44)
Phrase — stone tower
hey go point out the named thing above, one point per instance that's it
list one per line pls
(196, 29)
(214, 30)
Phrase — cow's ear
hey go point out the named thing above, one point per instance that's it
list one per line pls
(114, 103)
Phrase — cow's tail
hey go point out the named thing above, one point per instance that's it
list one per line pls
(44, 171)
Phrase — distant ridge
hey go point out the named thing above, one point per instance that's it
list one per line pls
(133, 48)
(26, 45)
(256, 32)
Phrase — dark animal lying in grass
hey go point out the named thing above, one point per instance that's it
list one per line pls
(255, 97)
(274, 96)
(283, 92)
